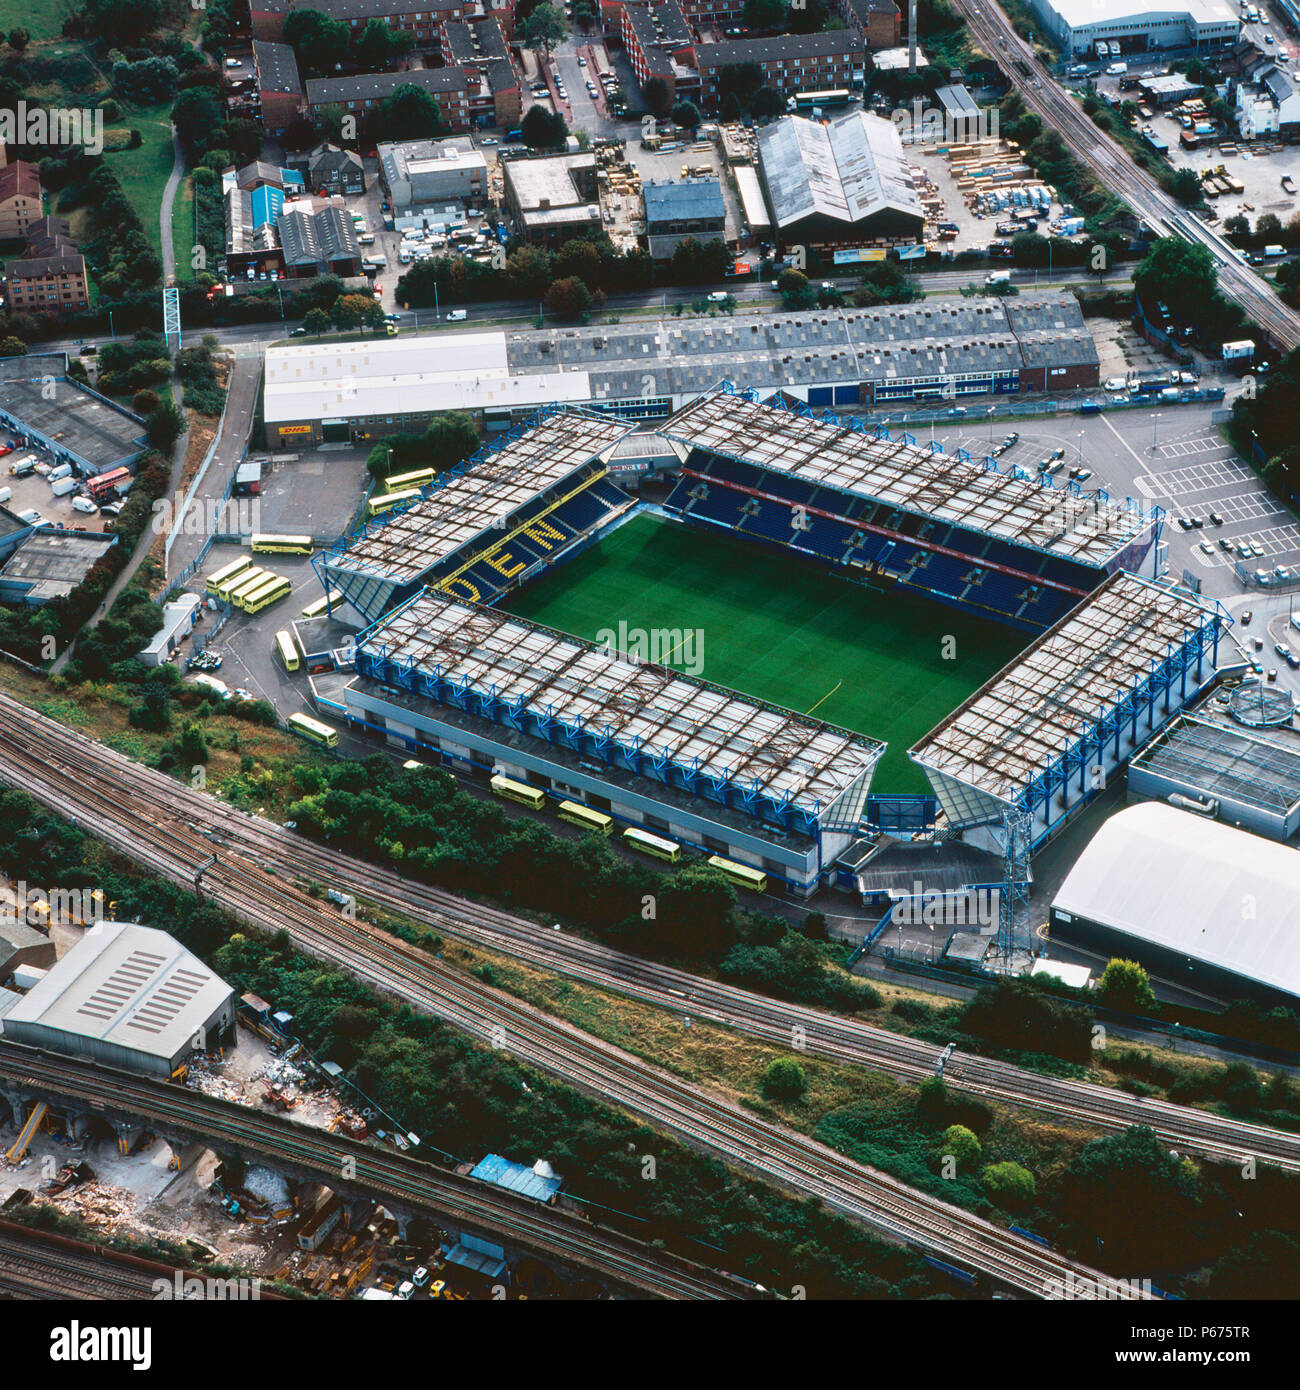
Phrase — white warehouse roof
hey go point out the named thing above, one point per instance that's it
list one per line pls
(128, 985)
(1082, 14)
(1194, 886)
(397, 376)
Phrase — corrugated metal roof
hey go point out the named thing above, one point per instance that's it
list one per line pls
(1195, 886)
(685, 201)
(527, 1182)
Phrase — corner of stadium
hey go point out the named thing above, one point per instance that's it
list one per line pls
(709, 631)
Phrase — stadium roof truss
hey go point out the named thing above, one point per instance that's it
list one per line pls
(823, 449)
(754, 758)
(1061, 708)
(473, 499)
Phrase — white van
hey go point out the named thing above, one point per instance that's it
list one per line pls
(64, 486)
(1116, 69)
(998, 277)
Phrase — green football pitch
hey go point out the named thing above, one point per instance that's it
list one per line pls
(782, 631)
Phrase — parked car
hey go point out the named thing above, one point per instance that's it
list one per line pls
(1215, 519)
(297, 332)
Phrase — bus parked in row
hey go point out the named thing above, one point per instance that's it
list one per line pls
(286, 651)
(653, 845)
(577, 814)
(219, 583)
(520, 792)
(387, 501)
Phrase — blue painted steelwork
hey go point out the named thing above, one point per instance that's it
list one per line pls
(901, 812)
(600, 742)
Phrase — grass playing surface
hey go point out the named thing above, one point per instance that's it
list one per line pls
(782, 631)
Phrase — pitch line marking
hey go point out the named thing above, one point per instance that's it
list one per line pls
(824, 698)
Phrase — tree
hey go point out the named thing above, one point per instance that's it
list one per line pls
(164, 426)
(1199, 73)
(1009, 1185)
(1125, 985)
(1187, 187)
(1243, 1091)
(320, 42)
(144, 401)
(1179, 273)
(957, 1142)
(658, 96)
(316, 321)
(122, 21)
(796, 290)
(699, 263)
(379, 46)
(352, 310)
(543, 129)
(1264, 1265)
(1134, 1194)
(12, 347)
(767, 102)
(19, 39)
(568, 299)
(196, 114)
(784, 1079)
(409, 114)
(543, 29)
(764, 14)
(687, 115)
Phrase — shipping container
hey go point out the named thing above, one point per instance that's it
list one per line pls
(64, 486)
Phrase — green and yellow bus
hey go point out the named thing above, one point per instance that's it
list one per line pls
(403, 482)
(286, 651)
(266, 544)
(577, 814)
(217, 582)
(386, 501)
(245, 583)
(755, 880)
(321, 606)
(652, 845)
(532, 797)
(272, 592)
(314, 730)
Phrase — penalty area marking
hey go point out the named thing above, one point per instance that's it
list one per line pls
(824, 698)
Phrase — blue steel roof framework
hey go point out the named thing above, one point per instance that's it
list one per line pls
(759, 759)
(840, 454)
(1051, 714)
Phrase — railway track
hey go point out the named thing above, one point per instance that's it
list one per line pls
(42, 1265)
(393, 1177)
(1111, 163)
(819, 1033)
(137, 812)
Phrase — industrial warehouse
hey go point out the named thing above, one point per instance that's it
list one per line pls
(1198, 902)
(1078, 25)
(904, 355)
(844, 181)
(127, 996)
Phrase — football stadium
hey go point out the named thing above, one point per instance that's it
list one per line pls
(801, 629)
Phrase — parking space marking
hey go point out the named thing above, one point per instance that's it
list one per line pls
(1181, 448)
(1277, 540)
(1202, 477)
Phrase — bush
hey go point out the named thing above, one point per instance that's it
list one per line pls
(959, 1144)
(784, 1079)
(1010, 1185)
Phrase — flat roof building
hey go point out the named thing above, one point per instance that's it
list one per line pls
(80, 427)
(49, 564)
(553, 198)
(419, 173)
(845, 180)
(1249, 779)
(1200, 904)
(126, 996)
(1077, 25)
(675, 211)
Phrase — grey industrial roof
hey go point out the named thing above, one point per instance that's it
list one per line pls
(277, 68)
(778, 753)
(932, 866)
(847, 170)
(963, 492)
(50, 563)
(315, 238)
(690, 200)
(1219, 760)
(83, 423)
(1182, 882)
(373, 86)
(128, 985)
(1017, 724)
